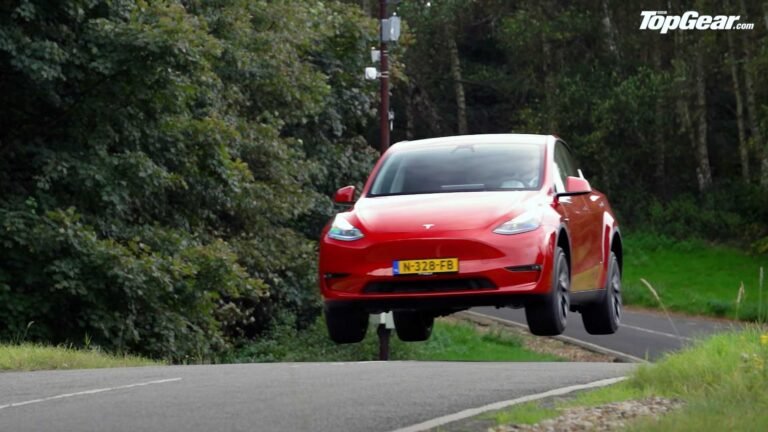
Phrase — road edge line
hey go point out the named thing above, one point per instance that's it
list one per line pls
(87, 392)
(472, 412)
(659, 333)
(589, 346)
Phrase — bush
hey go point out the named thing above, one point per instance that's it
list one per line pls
(127, 298)
(164, 167)
(730, 212)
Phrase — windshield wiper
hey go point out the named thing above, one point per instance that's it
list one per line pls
(469, 187)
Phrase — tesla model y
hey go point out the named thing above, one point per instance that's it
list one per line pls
(450, 223)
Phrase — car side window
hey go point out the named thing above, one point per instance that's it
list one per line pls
(558, 179)
(573, 170)
(563, 166)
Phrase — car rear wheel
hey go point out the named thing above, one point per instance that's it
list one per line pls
(413, 326)
(604, 317)
(346, 324)
(548, 316)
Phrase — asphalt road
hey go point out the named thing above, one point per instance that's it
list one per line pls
(643, 334)
(367, 396)
(317, 397)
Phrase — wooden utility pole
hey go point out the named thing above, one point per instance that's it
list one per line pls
(382, 331)
(384, 109)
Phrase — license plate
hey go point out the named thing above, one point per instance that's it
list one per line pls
(428, 266)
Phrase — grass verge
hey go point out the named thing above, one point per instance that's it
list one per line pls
(694, 277)
(450, 341)
(30, 357)
(723, 379)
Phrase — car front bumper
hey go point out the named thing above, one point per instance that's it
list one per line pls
(495, 270)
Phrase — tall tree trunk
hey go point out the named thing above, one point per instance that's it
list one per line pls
(661, 148)
(754, 126)
(458, 86)
(703, 169)
(549, 84)
(743, 148)
(410, 111)
(765, 14)
(427, 110)
(610, 31)
(683, 92)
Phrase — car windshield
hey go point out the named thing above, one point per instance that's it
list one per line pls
(460, 168)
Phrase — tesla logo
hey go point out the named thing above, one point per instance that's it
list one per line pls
(428, 226)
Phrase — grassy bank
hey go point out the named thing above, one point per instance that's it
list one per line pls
(723, 380)
(449, 341)
(693, 276)
(30, 357)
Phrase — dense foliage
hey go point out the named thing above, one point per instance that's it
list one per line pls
(166, 166)
(672, 126)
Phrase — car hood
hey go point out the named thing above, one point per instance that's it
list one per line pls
(443, 211)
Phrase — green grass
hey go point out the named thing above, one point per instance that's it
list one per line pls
(723, 380)
(527, 413)
(30, 357)
(693, 276)
(449, 342)
(534, 412)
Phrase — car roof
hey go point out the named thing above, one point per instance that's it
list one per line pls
(475, 139)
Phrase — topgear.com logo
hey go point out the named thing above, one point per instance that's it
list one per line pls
(691, 20)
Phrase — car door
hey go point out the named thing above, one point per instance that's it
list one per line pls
(584, 226)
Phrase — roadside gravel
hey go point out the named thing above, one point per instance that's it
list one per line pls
(603, 418)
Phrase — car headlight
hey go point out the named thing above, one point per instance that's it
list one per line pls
(525, 222)
(341, 229)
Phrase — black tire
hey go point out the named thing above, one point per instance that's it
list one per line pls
(413, 326)
(345, 324)
(548, 316)
(605, 317)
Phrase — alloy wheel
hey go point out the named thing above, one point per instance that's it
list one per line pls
(563, 281)
(616, 291)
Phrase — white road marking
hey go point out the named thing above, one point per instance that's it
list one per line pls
(440, 421)
(669, 335)
(578, 342)
(600, 349)
(87, 392)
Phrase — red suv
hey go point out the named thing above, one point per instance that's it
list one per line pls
(446, 224)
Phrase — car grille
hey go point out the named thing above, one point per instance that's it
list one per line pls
(427, 286)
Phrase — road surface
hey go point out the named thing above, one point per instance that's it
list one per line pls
(317, 397)
(643, 334)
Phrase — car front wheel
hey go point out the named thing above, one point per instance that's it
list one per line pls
(547, 316)
(346, 324)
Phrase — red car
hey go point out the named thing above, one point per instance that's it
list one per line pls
(446, 224)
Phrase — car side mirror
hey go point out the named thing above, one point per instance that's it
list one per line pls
(575, 186)
(345, 195)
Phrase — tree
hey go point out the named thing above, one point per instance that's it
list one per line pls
(165, 164)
